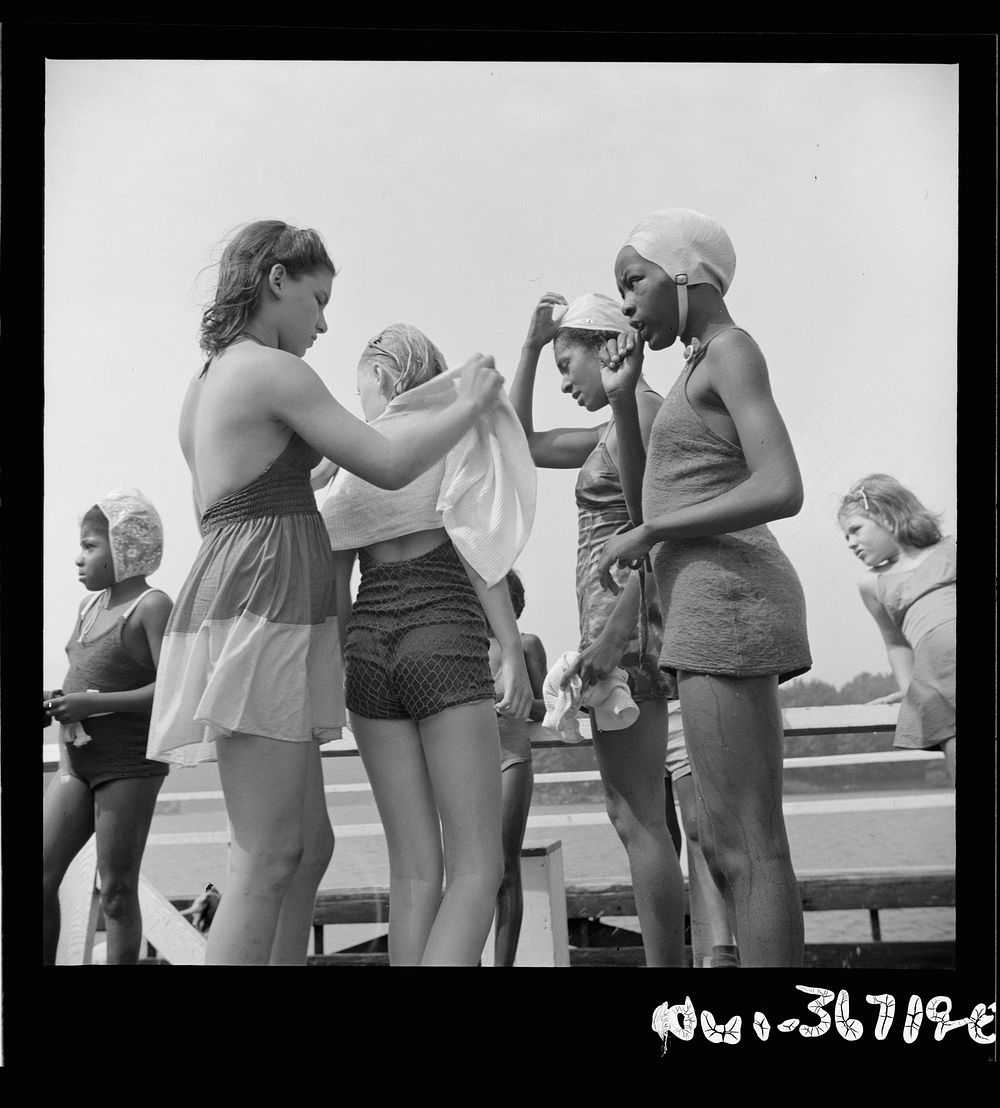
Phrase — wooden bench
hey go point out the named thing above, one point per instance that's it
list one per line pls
(580, 912)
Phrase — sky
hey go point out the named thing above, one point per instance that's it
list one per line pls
(451, 195)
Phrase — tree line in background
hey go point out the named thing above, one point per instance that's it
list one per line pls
(861, 689)
(798, 693)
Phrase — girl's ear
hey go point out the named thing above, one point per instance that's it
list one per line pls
(276, 278)
(385, 380)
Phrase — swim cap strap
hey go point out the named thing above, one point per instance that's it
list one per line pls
(681, 280)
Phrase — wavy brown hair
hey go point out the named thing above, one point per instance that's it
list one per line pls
(243, 269)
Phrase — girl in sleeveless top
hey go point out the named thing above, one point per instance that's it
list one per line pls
(250, 673)
(910, 590)
(720, 466)
(105, 784)
(630, 761)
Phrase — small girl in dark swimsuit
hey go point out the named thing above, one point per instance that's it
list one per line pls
(106, 784)
(720, 466)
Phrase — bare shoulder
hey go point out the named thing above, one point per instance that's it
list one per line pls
(735, 350)
(155, 603)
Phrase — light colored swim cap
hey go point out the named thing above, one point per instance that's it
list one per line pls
(135, 533)
(691, 248)
(595, 312)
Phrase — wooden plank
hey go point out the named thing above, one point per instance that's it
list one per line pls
(543, 939)
(821, 890)
(173, 936)
(79, 906)
(831, 719)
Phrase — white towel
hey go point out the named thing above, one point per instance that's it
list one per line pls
(483, 493)
(612, 703)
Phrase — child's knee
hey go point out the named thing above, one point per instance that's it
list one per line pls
(119, 897)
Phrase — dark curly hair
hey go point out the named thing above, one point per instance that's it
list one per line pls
(243, 269)
(515, 586)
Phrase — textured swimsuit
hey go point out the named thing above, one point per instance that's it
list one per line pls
(732, 604)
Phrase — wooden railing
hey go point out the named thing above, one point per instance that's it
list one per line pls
(584, 908)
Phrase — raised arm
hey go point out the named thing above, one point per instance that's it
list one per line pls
(562, 447)
(300, 399)
(621, 371)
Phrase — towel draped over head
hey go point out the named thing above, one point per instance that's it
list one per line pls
(135, 533)
(595, 312)
(482, 492)
(414, 358)
(685, 242)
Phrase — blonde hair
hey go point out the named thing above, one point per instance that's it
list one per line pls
(414, 357)
(884, 499)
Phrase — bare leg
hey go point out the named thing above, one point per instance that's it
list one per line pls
(123, 812)
(462, 749)
(394, 761)
(298, 909)
(263, 781)
(516, 783)
(735, 745)
(631, 765)
(67, 824)
(710, 926)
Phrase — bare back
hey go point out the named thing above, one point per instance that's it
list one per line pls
(228, 431)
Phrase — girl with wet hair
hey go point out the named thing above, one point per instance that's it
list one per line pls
(434, 557)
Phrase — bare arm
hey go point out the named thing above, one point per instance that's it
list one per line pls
(563, 447)
(343, 566)
(538, 667)
(773, 490)
(299, 399)
(499, 612)
(621, 370)
(598, 659)
(898, 650)
(322, 474)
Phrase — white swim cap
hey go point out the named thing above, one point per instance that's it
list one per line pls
(691, 248)
(595, 312)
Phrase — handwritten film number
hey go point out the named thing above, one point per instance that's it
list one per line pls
(681, 1020)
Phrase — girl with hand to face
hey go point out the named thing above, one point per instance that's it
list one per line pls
(910, 590)
(625, 634)
(106, 785)
(251, 670)
(719, 468)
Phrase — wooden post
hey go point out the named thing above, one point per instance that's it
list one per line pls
(544, 938)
